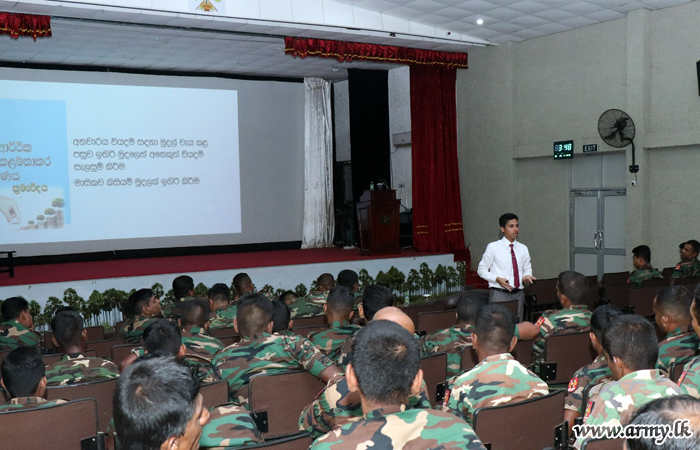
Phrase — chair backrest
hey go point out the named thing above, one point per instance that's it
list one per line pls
(545, 290)
(214, 394)
(436, 320)
(101, 391)
(95, 333)
(301, 441)
(58, 427)
(309, 321)
(676, 369)
(223, 332)
(412, 311)
(618, 294)
(119, 352)
(228, 340)
(104, 348)
(614, 278)
(593, 292)
(687, 281)
(522, 352)
(52, 359)
(304, 331)
(570, 351)
(48, 341)
(527, 425)
(642, 298)
(298, 389)
(603, 444)
(434, 372)
(512, 306)
(469, 358)
(666, 273)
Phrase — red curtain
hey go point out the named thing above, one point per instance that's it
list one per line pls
(437, 208)
(349, 51)
(17, 25)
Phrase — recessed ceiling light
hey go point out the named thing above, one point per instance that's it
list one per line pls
(480, 22)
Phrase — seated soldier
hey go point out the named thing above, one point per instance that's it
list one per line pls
(338, 309)
(594, 373)
(260, 351)
(374, 298)
(453, 340)
(385, 371)
(244, 286)
(336, 405)
(222, 310)
(689, 266)
(17, 330)
(299, 307)
(350, 280)
(75, 366)
(24, 381)
(667, 412)
(194, 314)
(672, 314)
(145, 308)
(183, 290)
(498, 379)
(324, 283)
(641, 260)
(630, 346)
(281, 319)
(689, 381)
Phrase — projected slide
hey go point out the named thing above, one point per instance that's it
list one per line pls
(81, 162)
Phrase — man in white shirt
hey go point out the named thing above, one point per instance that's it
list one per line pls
(506, 265)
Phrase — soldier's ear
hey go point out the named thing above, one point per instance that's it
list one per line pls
(55, 342)
(182, 351)
(291, 323)
(352, 313)
(512, 344)
(41, 388)
(361, 310)
(235, 325)
(352, 379)
(417, 383)
(269, 327)
(169, 444)
(325, 308)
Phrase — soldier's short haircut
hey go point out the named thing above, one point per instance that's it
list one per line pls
(253, 314)
(154, 399)
(632, 339)
(280, 316)
(22, 370)
(347, 278)
(240, 281)
(674, 300)
(642, 252)
(385, 358)
(194, 313)
(341, 300)
(162, 338)
(505, 218)
(574, 285)
(283, 296)
(495, 328)
(664, 412)
(326, 281)
(220, 293)
(13, 307)
(695, 244)
(601, 318)
(182, 285)
(470, 303)
(374, 298)
(67, 327)
(138, 300)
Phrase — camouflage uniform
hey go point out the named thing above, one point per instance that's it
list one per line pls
(336, 405)
(199, 343)
(331, 340)
(685, 270)
(451, 341)
(395, 427)
(559, 321)
(77, 368)
(300, 308)
(497, 380)
(594, 373)
(229, 426)
(689, 381)
(14, 335)
(643, 274)
(172, 310)
(265, 353)
(28, 402)
(132, 329)
(223, 317)
(612, 403)
(319, 298)
(679, 344)
(345, 352)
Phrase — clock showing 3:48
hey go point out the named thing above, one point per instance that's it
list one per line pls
(563, 149)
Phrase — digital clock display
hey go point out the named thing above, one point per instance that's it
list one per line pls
(563, 149)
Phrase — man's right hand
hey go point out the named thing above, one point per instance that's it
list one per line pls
(504, 283)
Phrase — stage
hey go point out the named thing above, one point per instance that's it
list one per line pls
(280, 268)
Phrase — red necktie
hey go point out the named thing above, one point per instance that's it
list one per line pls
(516, 275)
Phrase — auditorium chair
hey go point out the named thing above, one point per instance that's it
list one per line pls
(676, 369)
(48, 341)
(614, 278)
(100, 391)
(413, 310)
(300, 441)
(277, 400)
(529, 425)
(52, 359)
(223, 332)
(436, 320)
(119, 352)
(618, 294)
(95, 333)
(306, 330)
(603, 444)
(642, 298)
(512, 306)
(564, 354)
(593, 292)
(435, 376)
(214, 394)
(469, 358)
(522, 352)
(545, 293)
(666, 273)
(689, 282)
(104, 348)
(56, 427)
(309, 321)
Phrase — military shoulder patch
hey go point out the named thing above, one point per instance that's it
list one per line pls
(678, 267)
(589, 408)
(680, 379)
(573, 384)
(446, 399)
(540, 321)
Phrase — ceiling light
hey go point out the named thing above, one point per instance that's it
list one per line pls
(480, 22)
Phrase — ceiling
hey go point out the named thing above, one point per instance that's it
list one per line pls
(178, 43)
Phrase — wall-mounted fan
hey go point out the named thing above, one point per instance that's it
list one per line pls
(617, 129)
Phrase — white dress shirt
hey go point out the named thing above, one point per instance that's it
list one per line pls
(498, 262)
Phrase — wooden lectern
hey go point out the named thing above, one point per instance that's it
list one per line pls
(378, 219)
